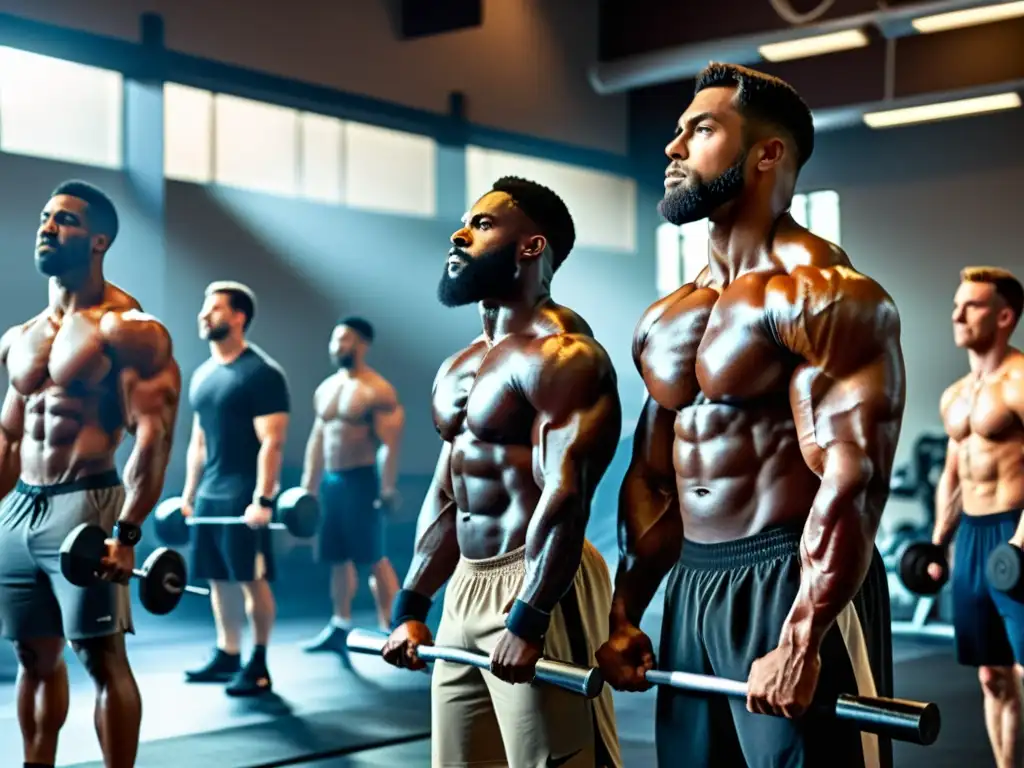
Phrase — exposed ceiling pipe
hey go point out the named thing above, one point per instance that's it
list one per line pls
(838, 118)
(686, 61)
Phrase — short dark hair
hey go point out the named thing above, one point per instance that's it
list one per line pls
(240, 298)
(547, 210)
(101, 211)
(765, 99)
(360, 325)
(1004, 282)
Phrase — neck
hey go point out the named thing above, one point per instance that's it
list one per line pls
(69, 293)
(357, 368)
(988, 361)
(227, 350)
(503, 318)
(740, 237)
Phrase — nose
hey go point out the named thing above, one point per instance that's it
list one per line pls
(48, 226)
(676, 149)
(460, 239)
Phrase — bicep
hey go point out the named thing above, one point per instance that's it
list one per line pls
(153, 401)
(388, 423)
(271, 427)
(198, 436)
(578, 439)
(12, 416)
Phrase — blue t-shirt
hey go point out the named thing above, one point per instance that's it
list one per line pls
(227, 398)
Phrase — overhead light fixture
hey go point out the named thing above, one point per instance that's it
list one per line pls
(817, 45)
(943, 110)
(969, 17)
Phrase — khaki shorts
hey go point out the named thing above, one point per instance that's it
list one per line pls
(479, 720)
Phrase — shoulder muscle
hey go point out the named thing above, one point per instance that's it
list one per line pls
(140, 341)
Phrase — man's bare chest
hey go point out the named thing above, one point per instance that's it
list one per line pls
(70, 353)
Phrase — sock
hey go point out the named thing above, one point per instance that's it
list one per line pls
(227, 655)
(38, 765)
(259, 656)
(341, 623)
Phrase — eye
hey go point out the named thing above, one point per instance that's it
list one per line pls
(704, 129)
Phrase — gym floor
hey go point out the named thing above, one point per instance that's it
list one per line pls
(323, 716)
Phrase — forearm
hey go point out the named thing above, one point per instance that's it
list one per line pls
(435, 554)
(650, 541)
(195, 461)
(387, 456)
(268, 467)
(947, 509)
(10, 464)
(145, 471)
(313, 463)
(554, 548)
(836, 547)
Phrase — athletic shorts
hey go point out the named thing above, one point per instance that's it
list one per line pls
(988, 624)
(724, 608)
(480, 720)
(35, 598)
(230, 553)
(351, 528)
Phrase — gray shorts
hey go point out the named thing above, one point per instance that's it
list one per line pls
(35, 598)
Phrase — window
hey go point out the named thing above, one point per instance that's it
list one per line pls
(60, 110)
(322, 152)
(188, 134)
(256, 145)
(390, 171)
(603, 205)
(682, 252)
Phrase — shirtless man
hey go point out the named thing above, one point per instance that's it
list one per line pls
(358, 422)
(982, 491)
(85, 370)
(529, 414)
(761, 463)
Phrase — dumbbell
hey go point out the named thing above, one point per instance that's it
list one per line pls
(1004, 568)
(295, 511)
(161, 578)
(914, 559)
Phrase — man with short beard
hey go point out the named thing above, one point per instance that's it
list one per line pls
(241, 404)
(529, 414)
(762, 459)
(86, 369)
(982, 492)
(359, 421)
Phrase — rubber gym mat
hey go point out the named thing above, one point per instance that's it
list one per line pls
(293, 740)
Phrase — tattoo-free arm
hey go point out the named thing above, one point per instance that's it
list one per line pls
(436, 551)
(947, 497)
(271, 431)
(195, 461)
(389, 424)
(847, 400)
(151, 388)
(12, 425)
(575, 433)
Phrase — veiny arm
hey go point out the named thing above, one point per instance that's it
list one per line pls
(847, 400)
(151, 390)
(389, 424)
(575, 433)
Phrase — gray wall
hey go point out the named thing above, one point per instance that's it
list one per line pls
(523, 70)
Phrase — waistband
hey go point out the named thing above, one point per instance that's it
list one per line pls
(507, 562)
(995, 518)
(341, 474)
(770, 544)
(107, 479)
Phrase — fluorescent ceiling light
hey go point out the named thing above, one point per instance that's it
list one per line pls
(814, 46)
(943, 110)
(968, 17)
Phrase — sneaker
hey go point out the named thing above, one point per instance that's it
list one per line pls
(252, 680)
(332, 639)
(219, 669)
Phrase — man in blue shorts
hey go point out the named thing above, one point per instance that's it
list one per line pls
(241, 403)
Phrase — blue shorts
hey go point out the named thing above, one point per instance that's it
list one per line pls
(232, 553)
(351, 527)
(988, 624)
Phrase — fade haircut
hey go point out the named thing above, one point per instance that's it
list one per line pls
(240, 298)
(765, 102)
(546, 209)
(1005, 284)
(360, 325)
(101, 212)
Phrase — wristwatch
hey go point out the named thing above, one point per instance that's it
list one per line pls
(127, 533)
(264, 502)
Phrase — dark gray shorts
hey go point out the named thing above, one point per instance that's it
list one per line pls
(35, 598)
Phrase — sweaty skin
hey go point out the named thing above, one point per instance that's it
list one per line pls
(775, 397)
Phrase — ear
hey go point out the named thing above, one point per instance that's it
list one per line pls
(770, 153)
(100, 243)
(1005, 318)
(534, 247)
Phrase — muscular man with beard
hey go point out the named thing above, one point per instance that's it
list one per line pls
(358, 422)
(982, 491)
(530, 417)
(85, 370)
(762, 460)
(241, 403)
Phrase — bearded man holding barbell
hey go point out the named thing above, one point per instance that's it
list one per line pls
(82, 372)
(241, 403)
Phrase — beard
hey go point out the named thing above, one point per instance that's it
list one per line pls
(687, 203)
(215, 332)
(492, 275)
(346, 361)
(63, 259)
